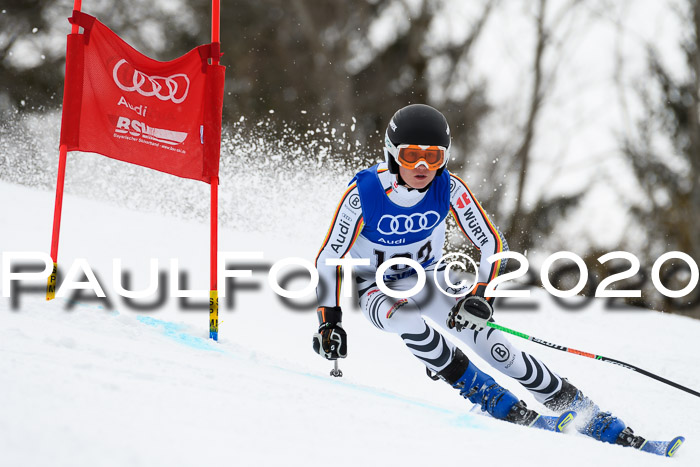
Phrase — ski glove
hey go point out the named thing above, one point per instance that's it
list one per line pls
(471, 312)
(330, 341)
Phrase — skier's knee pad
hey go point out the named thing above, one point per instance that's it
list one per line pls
(455, 369)
(570, 397)
(562, 400)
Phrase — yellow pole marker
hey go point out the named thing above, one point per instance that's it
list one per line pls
(214, 314)
(51, 284)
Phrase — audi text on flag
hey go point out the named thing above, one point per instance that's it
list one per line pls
(124, 105)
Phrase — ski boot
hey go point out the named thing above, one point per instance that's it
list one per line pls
(480, 388)
(592, 422)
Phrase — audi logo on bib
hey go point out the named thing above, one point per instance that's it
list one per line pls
(403, 224)
(173, 88)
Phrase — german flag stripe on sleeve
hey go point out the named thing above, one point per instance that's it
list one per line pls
(338, 284)
(461, 227)
(495, 267)
(335, 217)
(338, 275)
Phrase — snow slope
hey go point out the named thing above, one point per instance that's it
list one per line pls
(85, 385)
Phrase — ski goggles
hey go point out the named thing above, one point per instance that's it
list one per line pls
(410, 156)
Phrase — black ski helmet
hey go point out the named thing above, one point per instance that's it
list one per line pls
(416, 124)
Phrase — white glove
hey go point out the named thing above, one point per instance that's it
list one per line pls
(471, 312)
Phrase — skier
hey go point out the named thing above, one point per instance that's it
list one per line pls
(398, 209)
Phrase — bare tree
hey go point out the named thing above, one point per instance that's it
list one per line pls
(326, 59)
(32, 42)
(664, 154)
(525, 224)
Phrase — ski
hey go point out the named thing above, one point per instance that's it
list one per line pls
(627, 438)
(663, 448)
(554, 423)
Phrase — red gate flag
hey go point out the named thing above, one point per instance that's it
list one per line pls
(126, 106)
(162, 115)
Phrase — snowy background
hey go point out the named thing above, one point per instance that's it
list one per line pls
(86, 382)
(594, 67)
(82, 384)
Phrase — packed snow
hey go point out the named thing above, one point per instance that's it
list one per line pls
(86, 382)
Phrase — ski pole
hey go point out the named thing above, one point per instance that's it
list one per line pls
(593, 356)
(336, 371)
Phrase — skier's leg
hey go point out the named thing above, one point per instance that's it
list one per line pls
(492, 346)
(547, 387)
(482, 389)
(550, 389)
(496, 349)
(402, 317)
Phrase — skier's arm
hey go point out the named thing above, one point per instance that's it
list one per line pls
(476, 226)
(331, 340)
(345, 227)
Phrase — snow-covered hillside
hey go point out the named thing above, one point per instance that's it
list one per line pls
(85, 385)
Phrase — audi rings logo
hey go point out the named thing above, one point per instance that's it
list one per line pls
(403, 224)
(173, 88)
